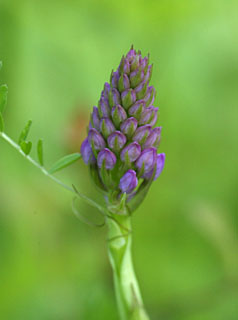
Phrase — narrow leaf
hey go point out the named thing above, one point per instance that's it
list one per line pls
(40, 152)
(25, 132)
(65, 162)
(26, 146)
(3, 97)
(0, 65)
(1, 123)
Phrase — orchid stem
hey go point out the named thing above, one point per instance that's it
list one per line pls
(128, 296)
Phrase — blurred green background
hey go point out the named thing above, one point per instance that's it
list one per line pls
(56, 57)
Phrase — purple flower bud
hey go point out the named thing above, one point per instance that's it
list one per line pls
(95, 118)
(154, 119)
(129, 126)
(87, 152)
(144, 62)
(154, 138)
(124, 66)
(116, 141)
(105, 155)
(114, 97)
(128, 97)
(142, 134)
(131, 54)
(114, 79)
(141, 89)
(128, 182)
(137, 109)
(106, 127)
(90, 126)
(103, 107)
(150, 96)
(146, 160)
(136, 77)
(159, 167)
(106, 90)
(118, 115)
(96, 140)
(135, 62)
(148, 73)
(123, 83)
(131, 152)
(149, 116)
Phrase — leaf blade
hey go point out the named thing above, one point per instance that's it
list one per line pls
(25, 132)
(40, 152)
(64, 162)
(26, 146)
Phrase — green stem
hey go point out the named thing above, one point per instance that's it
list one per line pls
(49, 175)
(127, 290)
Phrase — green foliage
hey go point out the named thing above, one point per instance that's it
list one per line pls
(26, 146)
(64, 162)
(40, 152)
(25, 132)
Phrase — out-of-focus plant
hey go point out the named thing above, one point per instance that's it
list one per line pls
(121, 153)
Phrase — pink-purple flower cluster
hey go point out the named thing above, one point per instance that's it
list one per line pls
(122, 141)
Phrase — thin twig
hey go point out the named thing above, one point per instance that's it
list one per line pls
(46, 173)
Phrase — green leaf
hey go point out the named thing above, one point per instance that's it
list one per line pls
(25, 132)
(1, 123)
(3, 97)
(26, 146)
(65, 162)
(0, 65)
(40, 152)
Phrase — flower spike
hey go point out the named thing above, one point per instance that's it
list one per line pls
(122, 141)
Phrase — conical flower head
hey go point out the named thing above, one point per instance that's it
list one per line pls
(122, 140)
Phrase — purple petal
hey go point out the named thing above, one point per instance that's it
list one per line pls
(153, 139)
(87, 152)
(160, 166)
(147, 160)
(128, 182)
(106, 126)
(96, 139)
(116, 141)
(133, 150)
(142, 133)
(129, 126)
(149, 116)
(108, 156)
(95, 118)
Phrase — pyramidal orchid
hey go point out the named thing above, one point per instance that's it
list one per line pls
(123, 160)
(120, 151)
